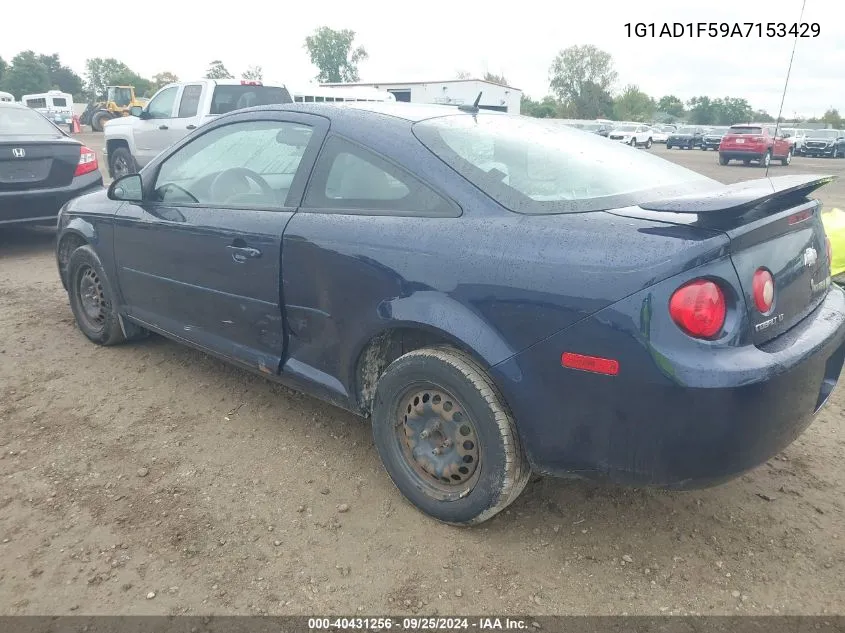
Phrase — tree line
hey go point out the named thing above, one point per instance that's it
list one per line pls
(581, 79)
(31, 73)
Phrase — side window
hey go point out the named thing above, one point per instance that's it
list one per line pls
(246, 164)
(348, 177)
(161, 106)
(190, 102)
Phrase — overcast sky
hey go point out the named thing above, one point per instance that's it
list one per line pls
(433, 40)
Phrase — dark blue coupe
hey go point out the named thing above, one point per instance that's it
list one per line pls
(500, 295)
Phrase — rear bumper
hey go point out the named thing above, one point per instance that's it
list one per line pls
(42, 205)
(742, 154)
(670, 418)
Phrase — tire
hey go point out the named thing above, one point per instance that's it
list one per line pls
(633, 142)
(92, 299)
(835, 153)
(668, 146)
(121, 163)
(767, 159)
(691, 145)
(648, 144)
(98, 119)
(417, 399)
(723, 160)
(786, 159)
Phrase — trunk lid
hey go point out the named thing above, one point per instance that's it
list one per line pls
(748, 137)
(771, 224)
(37, 164)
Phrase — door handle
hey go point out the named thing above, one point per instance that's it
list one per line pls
(191, 127)
(162, 127)
(241, 253)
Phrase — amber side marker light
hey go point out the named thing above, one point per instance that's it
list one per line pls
(594, 364)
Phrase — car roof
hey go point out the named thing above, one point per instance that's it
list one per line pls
(411, 112)
(12, 104)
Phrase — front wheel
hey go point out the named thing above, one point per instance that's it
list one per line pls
(633, 142)
(98, 120)
(446, 437)
(92, 299)
(121, 163)
(668, 146)
(648, 144)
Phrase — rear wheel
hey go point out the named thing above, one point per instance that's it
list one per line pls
(648, 144)
(786, 159)
(691, 145)
(633, 141)
(767, 159)
(723, 160)
(446, 438)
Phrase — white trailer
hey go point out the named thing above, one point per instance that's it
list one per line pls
(450, 92)
(55, 105)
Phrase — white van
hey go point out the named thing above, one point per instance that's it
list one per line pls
(7, 96)
(317, 94)
(55, 105)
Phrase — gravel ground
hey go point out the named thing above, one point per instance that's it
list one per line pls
(152, 479)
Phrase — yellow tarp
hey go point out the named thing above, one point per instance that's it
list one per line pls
(834, 226)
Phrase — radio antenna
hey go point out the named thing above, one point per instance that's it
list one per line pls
(786, 83)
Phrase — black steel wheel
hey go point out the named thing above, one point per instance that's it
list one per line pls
(446, 437)
(92, 300)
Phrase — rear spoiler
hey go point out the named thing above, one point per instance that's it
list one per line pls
(741, 197)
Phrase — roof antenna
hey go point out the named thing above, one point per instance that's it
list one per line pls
(474, 107)
(789, 70)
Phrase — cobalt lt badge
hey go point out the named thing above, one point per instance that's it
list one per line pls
(19, 152)
(810, 257)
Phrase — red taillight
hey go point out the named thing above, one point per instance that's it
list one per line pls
(594, 364)
(763, 289)
(87, 161)
(699, 308)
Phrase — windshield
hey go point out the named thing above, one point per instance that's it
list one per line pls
(235, 97)
(21, 121)
(122, 97)
(591, 127)
(831, 135)
(532, 166)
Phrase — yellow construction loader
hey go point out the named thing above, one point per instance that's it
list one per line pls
(119, 99)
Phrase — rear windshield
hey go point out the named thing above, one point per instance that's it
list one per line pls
(228, 98)
(532, 166)
(718, 130)
(745, 129)
(21, 121)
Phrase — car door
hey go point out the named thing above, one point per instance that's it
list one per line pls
(343, 258)
(781, 144)
(187, 117)
(152, 131)
(200, 257)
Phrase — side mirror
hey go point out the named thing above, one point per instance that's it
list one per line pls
(136, 111)
(128, 188)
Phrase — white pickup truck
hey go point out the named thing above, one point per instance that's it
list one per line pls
(173, 112)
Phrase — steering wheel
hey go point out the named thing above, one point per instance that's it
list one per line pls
(233, 182)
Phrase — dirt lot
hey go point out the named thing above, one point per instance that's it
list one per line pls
(151, 479)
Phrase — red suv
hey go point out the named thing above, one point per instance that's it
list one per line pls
(755, 141)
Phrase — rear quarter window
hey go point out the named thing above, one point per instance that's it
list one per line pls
(234, 97)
